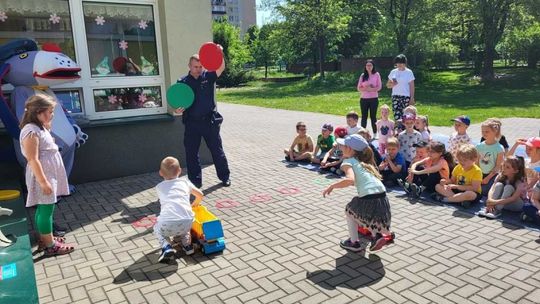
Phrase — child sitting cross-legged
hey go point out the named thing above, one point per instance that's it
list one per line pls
(176, 216)
(325, 142)
(464, 185)
(428, 172)
(333, 158)
(393, 165)
(509, 191)
(302, 145)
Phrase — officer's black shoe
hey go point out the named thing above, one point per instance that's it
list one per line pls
(226, 183)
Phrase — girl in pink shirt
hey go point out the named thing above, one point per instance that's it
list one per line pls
(369, 85)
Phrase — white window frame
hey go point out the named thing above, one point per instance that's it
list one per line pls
(86, 84)
(89, 84)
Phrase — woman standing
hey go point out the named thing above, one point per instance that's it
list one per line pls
(401, 81)
(369, 85)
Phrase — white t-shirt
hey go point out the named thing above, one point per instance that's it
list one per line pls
(354, 130)
(403, 78)
(174, 197)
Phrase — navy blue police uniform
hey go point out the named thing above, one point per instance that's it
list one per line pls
(201, 120)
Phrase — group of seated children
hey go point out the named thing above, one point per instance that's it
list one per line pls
(326, 152)
(413, 161)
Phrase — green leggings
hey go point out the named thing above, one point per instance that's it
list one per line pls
(44, 218)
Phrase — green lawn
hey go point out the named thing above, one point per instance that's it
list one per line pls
(440, 95)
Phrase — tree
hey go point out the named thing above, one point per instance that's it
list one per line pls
(316, 23)
(236, 53)
(364, 21)
(264, 49)
(404, 15)
(494, 15)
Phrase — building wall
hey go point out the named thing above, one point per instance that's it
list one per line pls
(185, 26)
(241, 13)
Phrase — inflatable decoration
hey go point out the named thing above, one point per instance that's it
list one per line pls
(32, 72)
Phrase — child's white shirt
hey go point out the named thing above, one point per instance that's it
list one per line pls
(354, 130)
(174, 195)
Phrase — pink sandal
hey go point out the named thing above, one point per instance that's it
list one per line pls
(59, 249)
(42, 246)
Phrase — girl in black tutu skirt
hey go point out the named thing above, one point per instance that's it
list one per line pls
(370, 210)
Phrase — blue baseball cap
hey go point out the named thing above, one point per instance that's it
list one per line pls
(464, 119)
(355, 142)
(537, 169)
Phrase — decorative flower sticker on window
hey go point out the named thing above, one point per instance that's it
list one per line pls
(54, 19)
(100, 20)
(3, 16)
(142, 98)
(123, 45)
(143, 24)
(112, 99)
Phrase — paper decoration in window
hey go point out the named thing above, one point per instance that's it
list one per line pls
(103, 67)
(54, 19)
(147, 68)
(3, 16)
(112, 99)
(100, 20)
(142, 98)
(143, 24)
(123, 45)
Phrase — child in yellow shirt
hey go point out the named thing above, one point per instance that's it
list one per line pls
(464, 187)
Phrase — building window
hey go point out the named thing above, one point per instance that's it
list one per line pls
(118, 48)
(121, 39)
(116, 99)
(41, 20)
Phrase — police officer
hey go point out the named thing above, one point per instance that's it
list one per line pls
(203, 120)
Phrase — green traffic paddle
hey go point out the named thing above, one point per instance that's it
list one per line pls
(180, 95)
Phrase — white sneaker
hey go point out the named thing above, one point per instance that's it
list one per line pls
(482, 212)
(494, 214)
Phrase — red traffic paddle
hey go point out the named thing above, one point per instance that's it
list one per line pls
(211, 56)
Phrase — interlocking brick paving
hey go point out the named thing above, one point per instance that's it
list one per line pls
(284, 248)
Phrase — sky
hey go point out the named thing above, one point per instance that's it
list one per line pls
(263, 17)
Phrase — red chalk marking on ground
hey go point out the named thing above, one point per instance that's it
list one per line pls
(260, 198)
(145, 222)
(288, 190)
(227, 203)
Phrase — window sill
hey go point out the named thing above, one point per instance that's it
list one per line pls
(84, 123)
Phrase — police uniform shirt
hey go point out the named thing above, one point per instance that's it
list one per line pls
(203, 87)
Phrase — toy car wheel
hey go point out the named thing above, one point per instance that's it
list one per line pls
(202, 249)
(523, 217)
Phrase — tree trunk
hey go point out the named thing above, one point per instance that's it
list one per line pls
(321, 56)
(265, 70)
(402, 40)
(488, 73)
(532, 57)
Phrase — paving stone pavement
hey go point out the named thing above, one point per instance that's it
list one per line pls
(285, 250)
